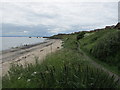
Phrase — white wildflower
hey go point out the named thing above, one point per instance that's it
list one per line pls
(35, 72)
(19, 78)
(28, 80)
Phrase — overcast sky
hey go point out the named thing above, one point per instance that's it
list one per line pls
(48, 18)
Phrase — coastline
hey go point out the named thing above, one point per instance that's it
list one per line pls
(21, 45)
(13, 49)
(21, 50)
(27, 54)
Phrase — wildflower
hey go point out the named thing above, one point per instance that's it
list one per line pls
(19, 78)
(46, 72)
(35, 72)
(28, 80)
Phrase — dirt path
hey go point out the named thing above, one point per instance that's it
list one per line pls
(92, 62)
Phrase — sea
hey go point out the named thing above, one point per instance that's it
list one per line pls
(12, 42)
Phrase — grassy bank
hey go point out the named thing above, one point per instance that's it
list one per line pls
(66, 68)
(104, 47)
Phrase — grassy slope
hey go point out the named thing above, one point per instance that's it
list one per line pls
(65, 68)
(92, 39)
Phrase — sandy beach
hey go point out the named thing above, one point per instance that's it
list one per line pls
(27, 54)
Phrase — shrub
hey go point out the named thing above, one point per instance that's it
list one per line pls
(80, 35)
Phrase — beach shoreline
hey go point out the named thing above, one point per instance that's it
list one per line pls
(23, 49)
(27, 54)
(23, 46)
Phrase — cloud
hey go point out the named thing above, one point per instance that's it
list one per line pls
(58, 17)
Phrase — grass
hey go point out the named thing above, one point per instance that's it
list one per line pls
(104, 47)
(66, 68)
(59, 70)
(112, 68)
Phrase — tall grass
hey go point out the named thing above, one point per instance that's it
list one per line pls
(107, 45)
(57, 72)
(104, 46)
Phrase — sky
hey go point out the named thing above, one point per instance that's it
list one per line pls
(49, 18)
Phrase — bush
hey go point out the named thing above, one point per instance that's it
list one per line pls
(80, 35)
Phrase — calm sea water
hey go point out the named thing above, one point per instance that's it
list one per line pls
(9, 42)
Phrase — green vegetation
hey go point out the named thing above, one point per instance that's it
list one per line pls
(68, 67)
(66, 75)
(104, 46)
(80, 35)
